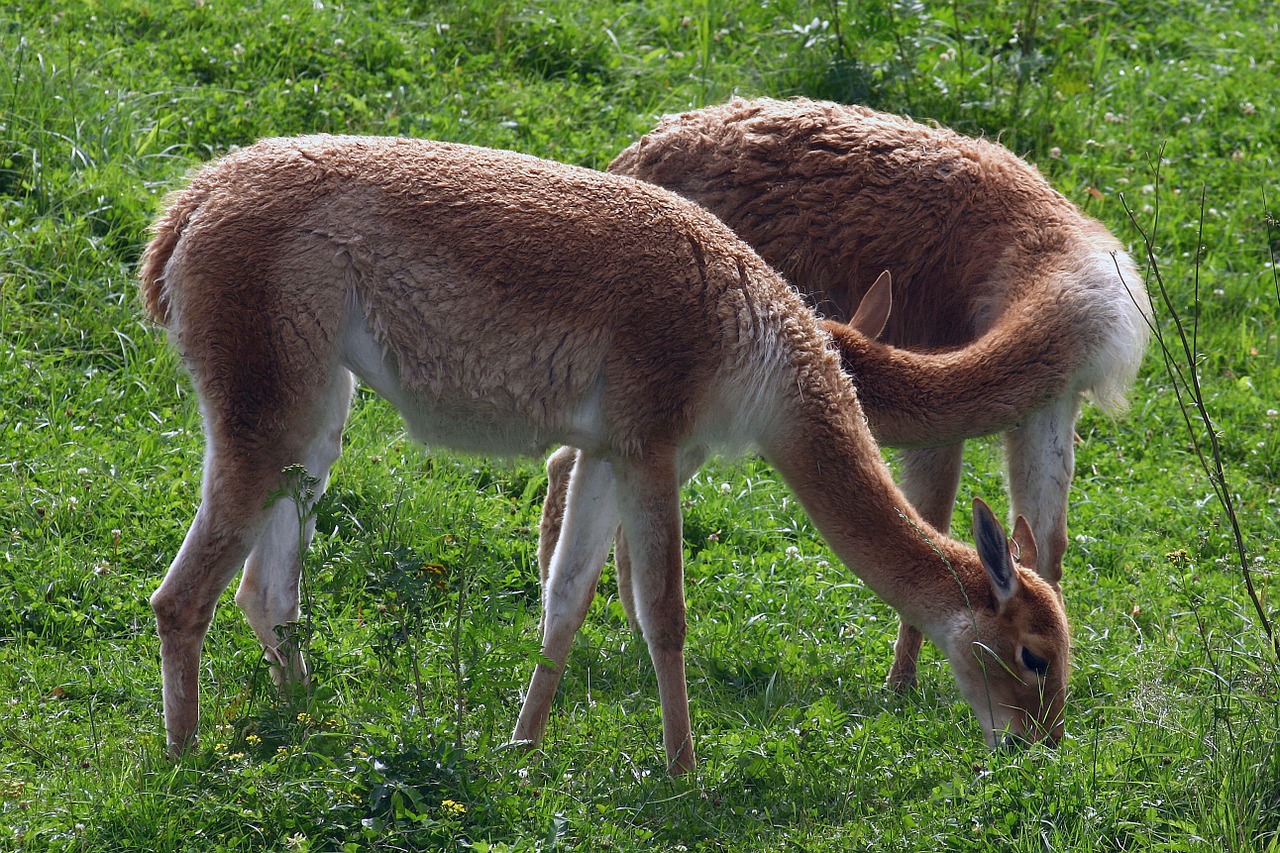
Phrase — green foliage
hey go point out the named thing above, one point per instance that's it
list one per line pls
(422, 580)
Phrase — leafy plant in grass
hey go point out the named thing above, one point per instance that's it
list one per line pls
(417, 594)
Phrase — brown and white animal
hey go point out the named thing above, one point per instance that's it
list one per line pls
(1019, 303)
(503, 304)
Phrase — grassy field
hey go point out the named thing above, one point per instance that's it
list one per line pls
(1167, 109)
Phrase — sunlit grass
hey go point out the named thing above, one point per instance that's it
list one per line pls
(1174, 719)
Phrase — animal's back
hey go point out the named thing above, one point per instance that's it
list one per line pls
(832, 195)
(485, 275)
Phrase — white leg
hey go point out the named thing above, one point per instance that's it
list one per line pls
(559, 466)
(1041, 462)
(930, 479)
(590, 519)
(559, 469)
(268, 592)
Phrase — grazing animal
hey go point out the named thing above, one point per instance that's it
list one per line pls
(505, 304)
(1011, 304)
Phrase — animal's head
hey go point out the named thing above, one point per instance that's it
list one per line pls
(1011, 652)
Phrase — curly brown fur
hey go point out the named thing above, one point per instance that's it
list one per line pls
(503, 304)
(1010, 305)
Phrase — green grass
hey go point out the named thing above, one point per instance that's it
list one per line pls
(1175, 715)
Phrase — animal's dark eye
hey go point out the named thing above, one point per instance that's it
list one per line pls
(1034, 662)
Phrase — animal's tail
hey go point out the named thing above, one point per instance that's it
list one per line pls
(165, 233)
(1089, 338)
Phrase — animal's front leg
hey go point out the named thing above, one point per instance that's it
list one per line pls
(930, 480)
(649, 502)
(590, 519)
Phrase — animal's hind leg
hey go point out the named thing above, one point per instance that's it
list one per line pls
(239, 474)
(225, 528)
(1041, 459)
(930, 479)
(268, 593)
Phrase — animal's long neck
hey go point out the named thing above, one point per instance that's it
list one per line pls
(830, 462)
(914, 398)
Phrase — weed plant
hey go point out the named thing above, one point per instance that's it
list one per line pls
(422, 582)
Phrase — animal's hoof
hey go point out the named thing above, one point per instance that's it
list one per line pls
(900, 682)
(522, 745)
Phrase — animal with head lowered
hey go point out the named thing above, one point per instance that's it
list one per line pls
(1010, 305)
(505, 304)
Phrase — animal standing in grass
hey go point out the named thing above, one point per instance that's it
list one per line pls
(505, 304)
(1011, 305)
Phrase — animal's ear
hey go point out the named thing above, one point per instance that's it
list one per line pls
(1025, 540)
(873, 311)
(993, 550)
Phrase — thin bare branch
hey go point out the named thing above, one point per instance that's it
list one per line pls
(1185, 380)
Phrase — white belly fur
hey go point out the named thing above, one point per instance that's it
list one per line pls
(460, 422)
